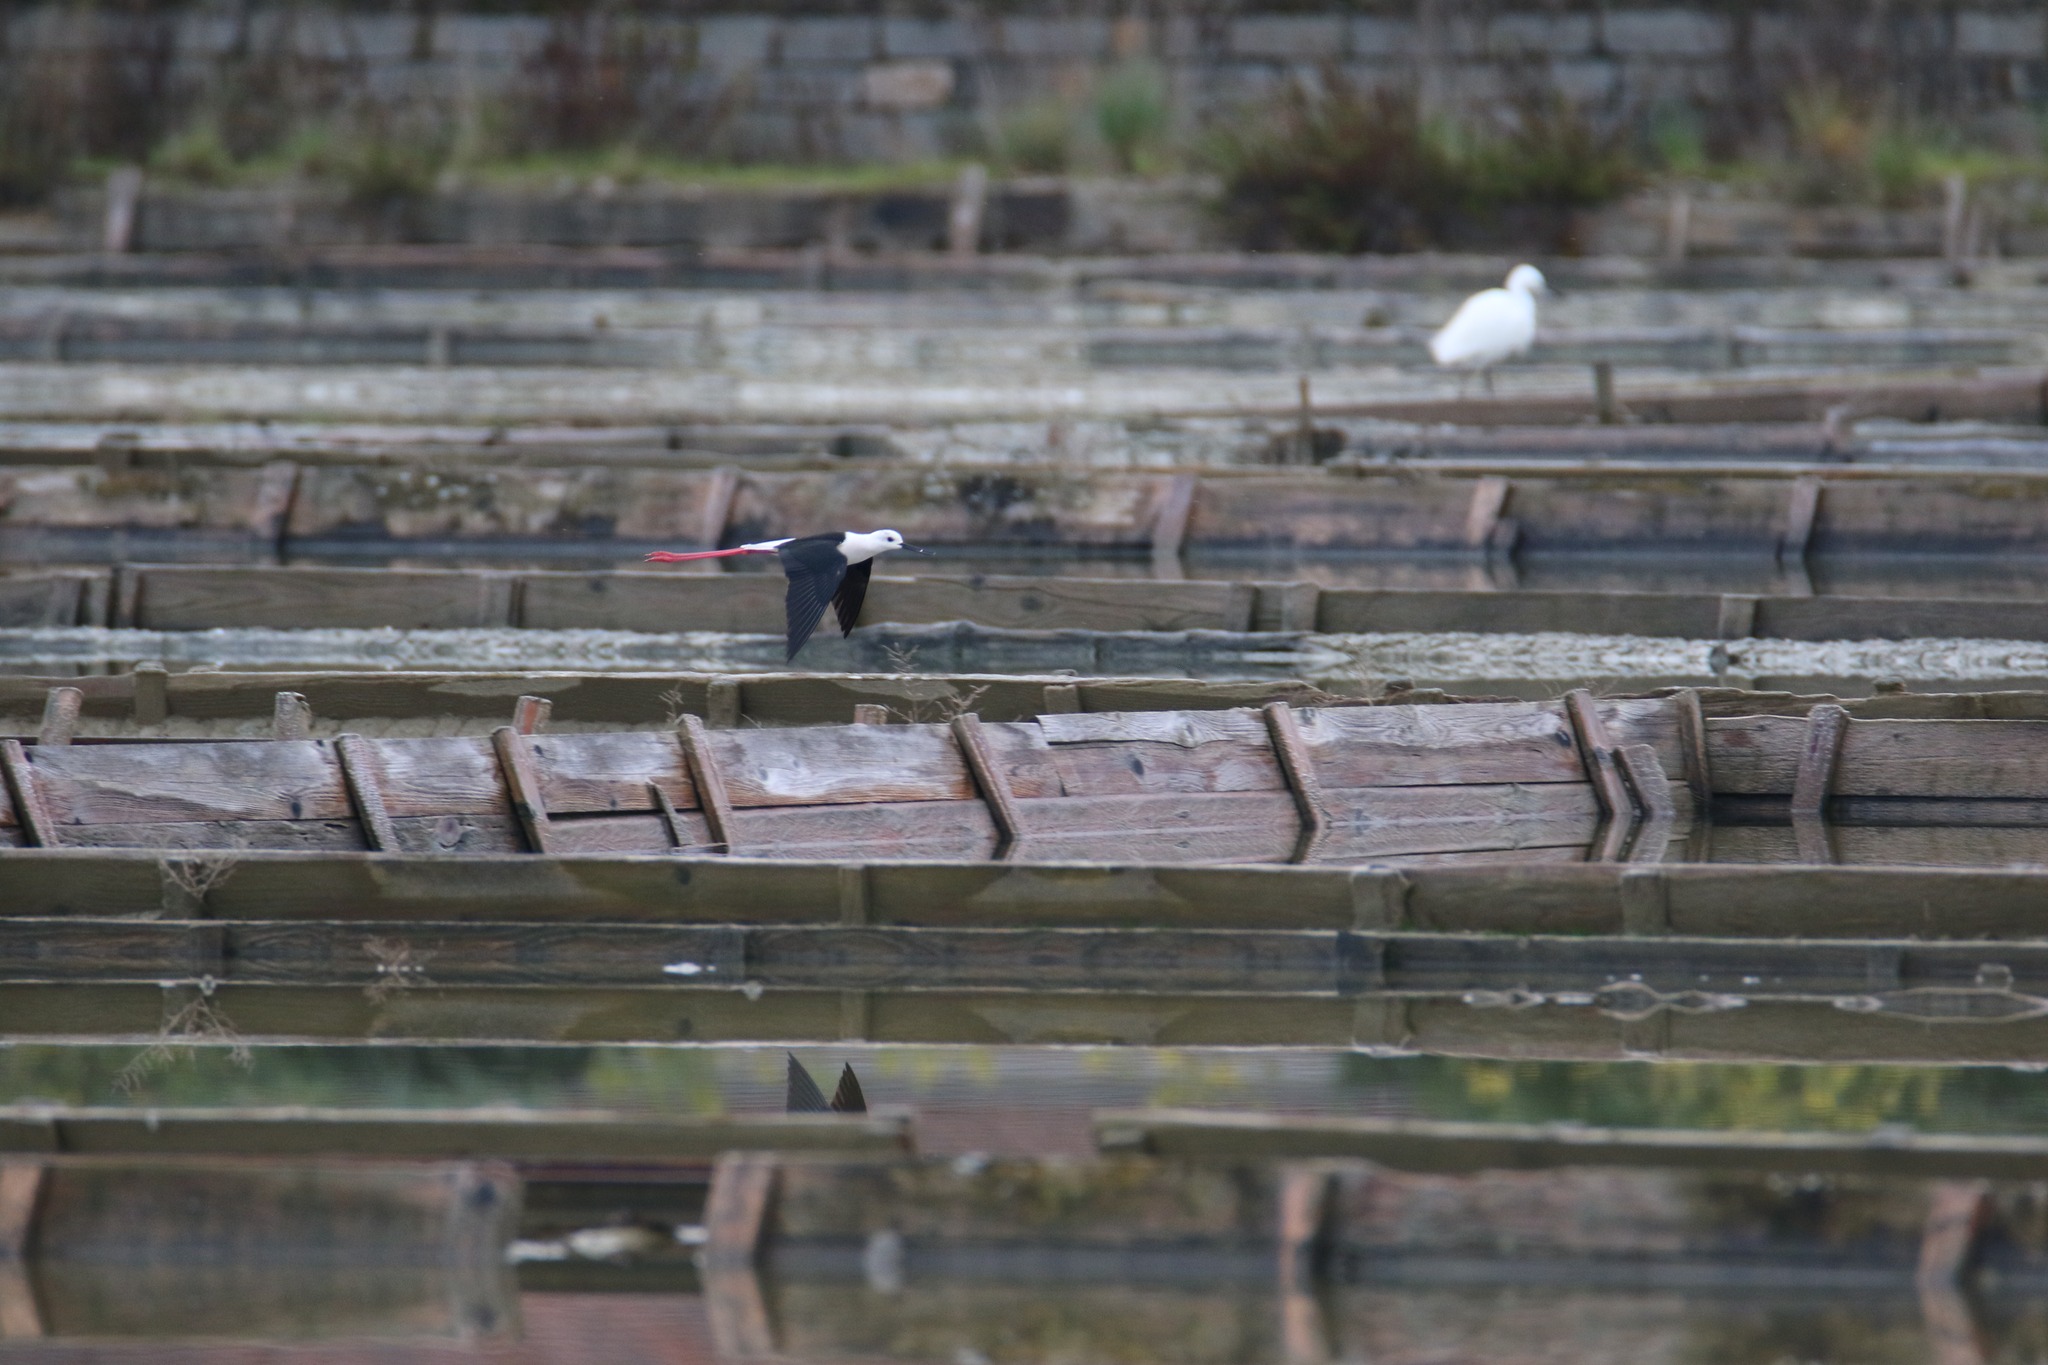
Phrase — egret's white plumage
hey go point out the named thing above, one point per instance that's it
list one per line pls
(1492, 325)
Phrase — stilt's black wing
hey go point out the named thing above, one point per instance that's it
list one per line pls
(847, 1099)
(851, 592)
(803, 1096)
(815, 568)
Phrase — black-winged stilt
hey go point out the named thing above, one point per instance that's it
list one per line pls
(830, 569)
(804, 1097)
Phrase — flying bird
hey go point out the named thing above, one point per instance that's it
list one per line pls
(830, 569)
(1492, 325)
(802, 1095)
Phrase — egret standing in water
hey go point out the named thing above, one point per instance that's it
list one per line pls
(1492, 325)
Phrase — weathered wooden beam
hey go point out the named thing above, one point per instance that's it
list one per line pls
(365, 792)
(712, 796)
(990, 781)
(723, 703)
(60, 717)
(1297, 765)
(291, 717)
(152, 694)
(1692, 752)
(515, 760)
(1652, 793)
(870, 713)
(1170, 525)
(530, 715)
(1483, 516)
(671, 821)
(1819, 754)
(21, 1187)
(1596, 751)
(37, 828)
(1801, 506)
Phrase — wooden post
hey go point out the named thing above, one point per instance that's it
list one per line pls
(359, 776)
(1801, 506)
(718, 498)
(523, 787)
(1604, 406)
(1170, 527)
(124, 200)
(1652, 791)
(1298, 768)
(152, 694)
(1826, 726)
(1692, 748)
(21, 1188)
(291, 716)
(964, 214)
(711, 793)
(1482, 516)
(1596, 751)
(735, 1216)
(60, 716)
(990, 779)
(36, 826)
(722, 699)
(1061, 699)
(530, 715)
(673, 822)
(870, 713)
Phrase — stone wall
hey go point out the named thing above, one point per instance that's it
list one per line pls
(840, 85)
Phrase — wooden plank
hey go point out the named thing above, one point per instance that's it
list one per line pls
(1303, 784)
(1429, 746)
(870, 713)
(114, 784)
(21, 1190)
(1440, 1145)
(523, 787)
(840, 764)
(615, 771)
(887, 829)
(186, 597)
(709, 779)
(1886, 757)
(359, 774)
(1819, 753)
(271, 506)
(152, 694)
(60, 717)
(1377, 822)
(31, 815)
(1685, 615)
(1736, 619)
(1060, 603)
(436, 776)
(990, 781)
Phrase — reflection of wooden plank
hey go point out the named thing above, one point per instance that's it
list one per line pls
(1811, 784)
(1430, 1145)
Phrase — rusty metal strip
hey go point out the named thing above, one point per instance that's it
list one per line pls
(1299, 770)
(36, 826)
(711, 794)
(359, 776)
(61, 706)
(523, 787)
(990, 780)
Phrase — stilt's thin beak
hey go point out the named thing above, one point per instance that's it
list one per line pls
(914, 549)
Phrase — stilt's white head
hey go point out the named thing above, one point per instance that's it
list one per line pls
(1527, 279)
(860, 546)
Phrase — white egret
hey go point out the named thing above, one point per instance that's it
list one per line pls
(1492, 325)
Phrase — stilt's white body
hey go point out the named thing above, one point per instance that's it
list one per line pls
(1491, 326)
